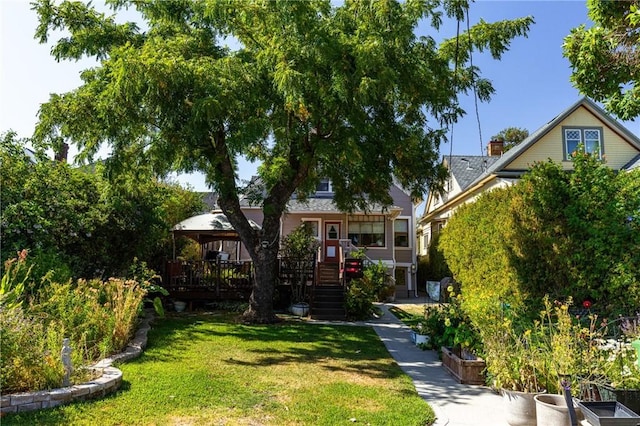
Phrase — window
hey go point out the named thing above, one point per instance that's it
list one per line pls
(588, 138)
(401, 277)
(323, 186)
(367, 231)
(401, 233)
(313, 225)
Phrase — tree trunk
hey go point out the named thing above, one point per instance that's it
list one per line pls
(265, 262)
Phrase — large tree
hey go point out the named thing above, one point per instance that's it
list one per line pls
(310, 90)
(605, 59)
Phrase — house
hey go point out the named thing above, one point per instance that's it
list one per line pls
(385, 234)
(584, 124)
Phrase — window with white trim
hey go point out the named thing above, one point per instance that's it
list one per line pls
(401, 232)
(587, 139)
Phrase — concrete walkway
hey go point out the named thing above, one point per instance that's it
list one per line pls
(454, 404)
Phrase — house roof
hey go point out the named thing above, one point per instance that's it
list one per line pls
(314, 204)
(633, 164)
(466, 168)
(326, 205)
(514, 152)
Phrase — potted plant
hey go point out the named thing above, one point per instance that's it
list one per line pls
(299, 249)
(461, 343)
(616, 374)
(420, 334)
(514, 367)
(516, 364)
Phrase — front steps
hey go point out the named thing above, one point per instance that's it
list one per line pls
(328, 273)
(328, 302)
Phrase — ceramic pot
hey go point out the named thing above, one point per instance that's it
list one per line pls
(519, 408)
(552, 410)
(300, 309)
(421, 338)
(179, 306)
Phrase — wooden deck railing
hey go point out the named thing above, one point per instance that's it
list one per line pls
(209, 279)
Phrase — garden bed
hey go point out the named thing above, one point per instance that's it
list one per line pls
(467, 371)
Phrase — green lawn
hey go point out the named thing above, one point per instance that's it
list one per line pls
(206, 369)
(409, 314)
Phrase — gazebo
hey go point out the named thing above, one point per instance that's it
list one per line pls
(209, 228)
(216, 275)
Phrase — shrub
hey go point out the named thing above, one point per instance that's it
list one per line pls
(433, 267)
(379, 280)
(98, 317)
(359, 299)
(474, 245)
(553, 233)
(374, 286)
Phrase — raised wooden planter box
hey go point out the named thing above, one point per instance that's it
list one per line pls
(468, 371)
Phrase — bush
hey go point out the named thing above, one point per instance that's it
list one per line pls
(379, 281)
(93, 222)
(374, 286)
(99, 318)
(359, 299)
(433, 267)
(553, 233)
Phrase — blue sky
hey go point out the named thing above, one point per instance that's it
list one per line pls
(531, 81)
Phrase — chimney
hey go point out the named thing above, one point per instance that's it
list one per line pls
(61, 155)
(495, 148)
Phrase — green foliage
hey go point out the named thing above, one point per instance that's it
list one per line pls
(449, 326)
(149, 281)
(312, 91)
(12, 284)
(299, 249)
(374, 286)
(535, 355)
(379, 280)
(77, 223)
(359, 299)
(511, 136)
(552, 236)
(300, 243)
(603, 57)
(433, 267)
(475, 246)
(577, 231)
(556, 233)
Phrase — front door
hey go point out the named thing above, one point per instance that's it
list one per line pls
(332, 241)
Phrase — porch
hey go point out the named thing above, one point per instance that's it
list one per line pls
(198, 282)
(208, 280)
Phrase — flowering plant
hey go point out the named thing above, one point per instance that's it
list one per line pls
(450, 326)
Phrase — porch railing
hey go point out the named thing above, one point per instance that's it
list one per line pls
(215, 279)
(348, 248)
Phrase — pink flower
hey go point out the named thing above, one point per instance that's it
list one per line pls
(586, 304)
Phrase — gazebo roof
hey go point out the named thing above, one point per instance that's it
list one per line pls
(208, 227)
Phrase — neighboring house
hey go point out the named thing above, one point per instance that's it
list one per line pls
(387, 234)
(582, 124)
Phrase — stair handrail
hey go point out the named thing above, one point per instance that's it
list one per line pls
(348, 247)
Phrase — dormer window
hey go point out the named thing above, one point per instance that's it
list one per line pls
(324, 185)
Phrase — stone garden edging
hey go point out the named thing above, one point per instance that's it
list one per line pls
(108, 382)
